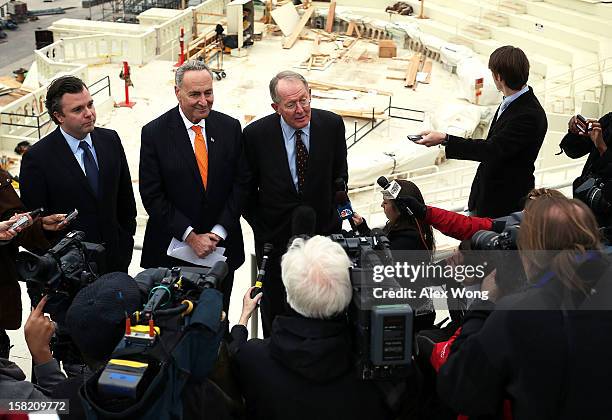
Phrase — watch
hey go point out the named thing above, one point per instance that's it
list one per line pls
(445, 141)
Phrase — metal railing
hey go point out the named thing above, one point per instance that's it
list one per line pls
(39, 117)
(373, 123)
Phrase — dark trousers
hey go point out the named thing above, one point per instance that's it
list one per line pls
(274, 300)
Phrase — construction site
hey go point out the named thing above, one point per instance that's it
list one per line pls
(389, 69)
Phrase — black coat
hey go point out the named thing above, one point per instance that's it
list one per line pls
(32, 238)
(576, 146)
(51, 177)
(273, 195)
(548, 366)
(303, 371)
(507, 156)
(172, 191)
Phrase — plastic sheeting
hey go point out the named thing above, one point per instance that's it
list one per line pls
(456, 119)
(470, 69)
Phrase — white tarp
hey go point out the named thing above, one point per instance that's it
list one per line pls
(470, 69)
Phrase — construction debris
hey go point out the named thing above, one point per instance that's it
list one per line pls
(387, 48)
(331, 14)
(289, 41)
(314, 84)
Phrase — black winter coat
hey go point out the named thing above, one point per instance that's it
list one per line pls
(303, 371)
(548, 363)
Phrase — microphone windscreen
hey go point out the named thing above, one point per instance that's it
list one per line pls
(382, 181)
(341, 197)
(303, 221)
(219, 270)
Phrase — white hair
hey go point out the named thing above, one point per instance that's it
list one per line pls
(316, 276)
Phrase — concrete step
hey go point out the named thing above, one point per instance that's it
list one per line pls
(513, 7)
(477, 31)
(495, 19)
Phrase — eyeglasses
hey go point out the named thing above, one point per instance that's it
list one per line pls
(291, 106)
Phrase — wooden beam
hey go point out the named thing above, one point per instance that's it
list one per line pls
(289, 41)
(331, 14)
(413, 68)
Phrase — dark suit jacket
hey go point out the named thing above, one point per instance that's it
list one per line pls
(172, 191)
(507, 156)
(52, 178)
(32, 238)
(273, 195)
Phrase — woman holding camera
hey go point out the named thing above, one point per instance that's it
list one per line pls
(538, 353)
(31, 236)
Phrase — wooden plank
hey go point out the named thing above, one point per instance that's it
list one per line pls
(427, 69)
(331, 13)
(413, 68)
(288, 42)
(287, 18)
(326, 86)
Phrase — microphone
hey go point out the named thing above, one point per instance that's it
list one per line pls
(391, 189)
(303, 221)
(342, 202)
(215, 276)
(267, 248)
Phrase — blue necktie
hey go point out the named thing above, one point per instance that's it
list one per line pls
(91, 169)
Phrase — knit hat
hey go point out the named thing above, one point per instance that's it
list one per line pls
(96, 318)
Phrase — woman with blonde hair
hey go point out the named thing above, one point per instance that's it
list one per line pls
(538, 354)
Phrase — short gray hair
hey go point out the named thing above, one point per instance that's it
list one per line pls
(316, 276)
(190, 65)
(287, 75)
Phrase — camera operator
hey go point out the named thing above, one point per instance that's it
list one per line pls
(534, 348)
(591, 138)
(304, 370)
(30, 236)
(406, 233)
(38, 331)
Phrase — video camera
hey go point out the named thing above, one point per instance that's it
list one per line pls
(595, 192)
(382, 334)
(495, 240)
(63, 270)
(153, 332)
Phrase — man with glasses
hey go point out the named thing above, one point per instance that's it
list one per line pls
(295, 156)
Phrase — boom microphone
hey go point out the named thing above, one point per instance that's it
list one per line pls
(267, 248)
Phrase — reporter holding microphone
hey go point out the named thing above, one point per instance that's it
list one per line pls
(31, 236)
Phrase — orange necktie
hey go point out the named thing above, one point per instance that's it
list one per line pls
(201, 154)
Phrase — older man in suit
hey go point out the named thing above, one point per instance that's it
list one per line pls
(507, 156)
(80, 166)
(190, 177)
(296, 157)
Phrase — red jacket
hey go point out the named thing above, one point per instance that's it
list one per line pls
(456, 225)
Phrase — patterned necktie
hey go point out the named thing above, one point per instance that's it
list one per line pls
(201, 154)
(91, 169)
(301, 159)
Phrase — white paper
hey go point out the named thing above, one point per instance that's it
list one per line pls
(421, 76)
(182, 251)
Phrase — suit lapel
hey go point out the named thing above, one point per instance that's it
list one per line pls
(65, 155)
(313, 149)
(211, 135)
(279, 149)
(185, 150)
(104, 158)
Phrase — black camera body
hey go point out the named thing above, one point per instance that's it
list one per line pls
(382, 333)
(65, 269)
(591, 192)
(500, 241)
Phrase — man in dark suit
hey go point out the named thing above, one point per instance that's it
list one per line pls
(295, 157)
(191, 175)
(507, 156)
(80, 166)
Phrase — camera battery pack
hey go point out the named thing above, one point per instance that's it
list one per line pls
(122, 378)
